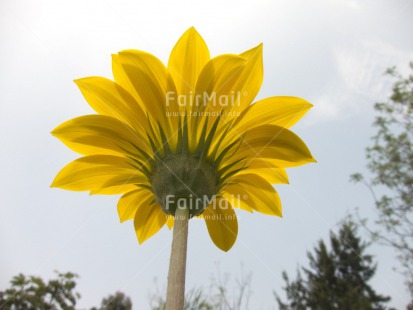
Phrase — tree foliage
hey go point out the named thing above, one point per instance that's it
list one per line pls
(337, 278)
(390, 161)
(34, 293)
(118, 301)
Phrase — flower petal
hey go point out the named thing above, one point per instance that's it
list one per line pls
(148, 221)
(99, 171)
(109, 98)
(281, 111)
(151, 83)
(229, 83)
(249, 81)
(222, 223)
(122, 79)
(267, 170)
(170, 222)
(235, 196)
(116, 185)
(217, 81)
(214, 90)
(187, 60)
(281, 145)
(129, 203)
(255, 192)
(99, 134)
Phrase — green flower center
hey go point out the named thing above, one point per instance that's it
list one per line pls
(183, 181)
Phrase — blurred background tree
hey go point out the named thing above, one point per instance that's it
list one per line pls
(118, 301)
(33, 293)
(337, 278)
(390, 162)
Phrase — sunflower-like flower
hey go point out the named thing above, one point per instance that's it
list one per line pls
(184, 136)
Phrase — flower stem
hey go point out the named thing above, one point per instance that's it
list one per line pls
(175, 294)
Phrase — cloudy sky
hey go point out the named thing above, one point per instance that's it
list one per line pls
(331, 52)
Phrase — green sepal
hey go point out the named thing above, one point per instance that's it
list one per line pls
(179, 142)
(230, 174)
(146, 155)
(165, 145)
(155, 136)
(148, 187)
(221, 156)
(227, 167)
(209, 139)
(201, 143)
(223, 135)
(155, 150)
(185, 142)
(141, 167)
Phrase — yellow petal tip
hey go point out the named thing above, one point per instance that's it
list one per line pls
(259, 47)
(307, 105)
(54, 132)
(253, 53)
(78, 81)
(191, 31)
(55, 183)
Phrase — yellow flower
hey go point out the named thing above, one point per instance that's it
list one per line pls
(184, 135)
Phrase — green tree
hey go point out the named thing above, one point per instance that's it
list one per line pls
(118, 301)
(390, 162)
(337, 278)
(33, 293)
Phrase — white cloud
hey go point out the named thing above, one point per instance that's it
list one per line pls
(360, 81)
(361, 65)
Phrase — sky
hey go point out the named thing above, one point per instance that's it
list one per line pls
(333, 53)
